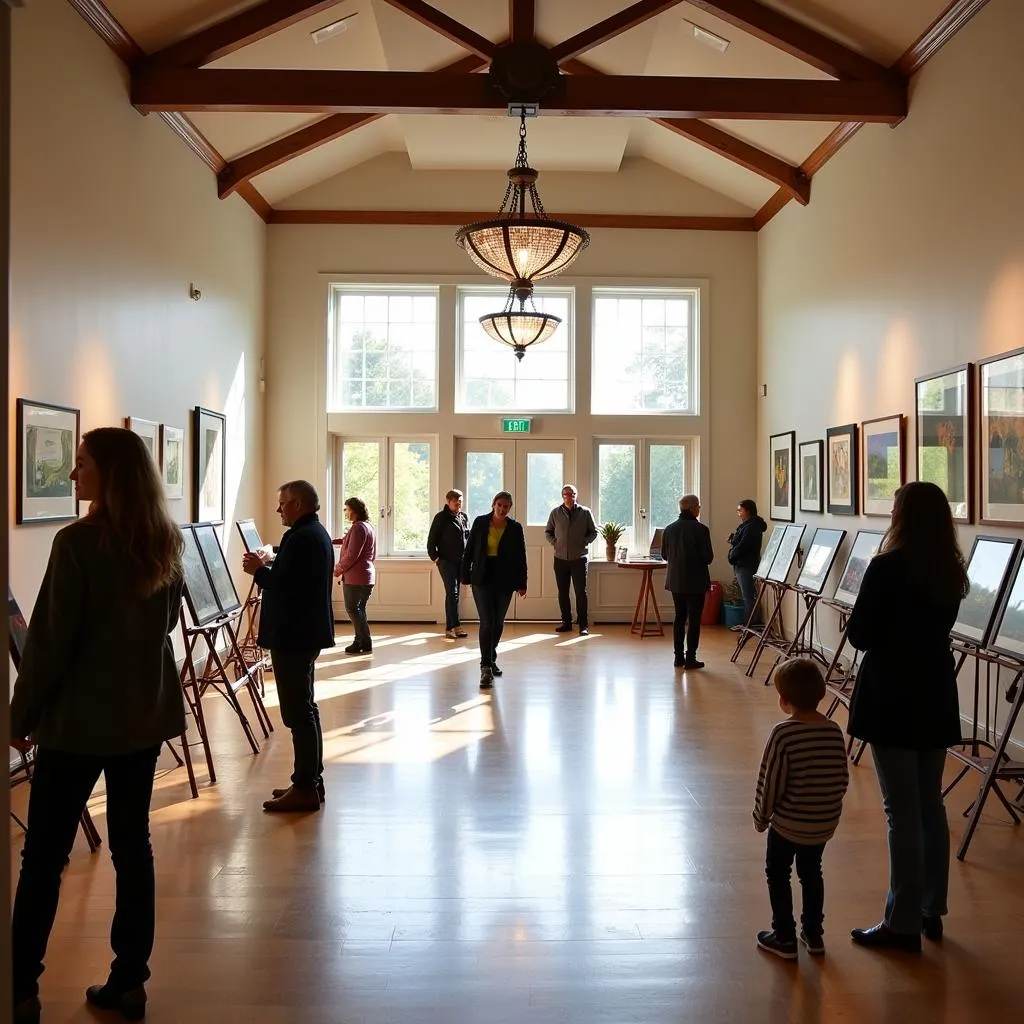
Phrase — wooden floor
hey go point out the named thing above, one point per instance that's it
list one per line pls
(574, 846)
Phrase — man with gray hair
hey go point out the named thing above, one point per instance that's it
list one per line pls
(686, 546)
(570, 531)
(296, 623)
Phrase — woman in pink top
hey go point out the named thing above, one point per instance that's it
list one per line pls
(355, 567)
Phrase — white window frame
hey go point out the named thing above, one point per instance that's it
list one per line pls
(690, 292)
(335, 291)
(500, 295)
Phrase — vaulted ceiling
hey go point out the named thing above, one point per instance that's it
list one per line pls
(281, 113)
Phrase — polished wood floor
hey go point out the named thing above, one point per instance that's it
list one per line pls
(575, 846)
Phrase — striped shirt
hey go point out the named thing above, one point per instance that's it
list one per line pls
(802, 781)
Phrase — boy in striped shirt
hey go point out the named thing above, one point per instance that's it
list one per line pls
(800, 790)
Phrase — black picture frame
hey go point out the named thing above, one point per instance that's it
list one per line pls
(17, 629)
(841, 469)
(820, 557)
(864, 548)
(251, 539)
(883, 467)
(781, 492)
(47, 444)
(811, 473)
(770, 550)
(217, 567)
(200, 597)
(944, 435)
(209, 466)
(1001, 439)
(783, 561)
(989, 566)
(1007, 633)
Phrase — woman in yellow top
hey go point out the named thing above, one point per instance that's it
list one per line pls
(495, 566)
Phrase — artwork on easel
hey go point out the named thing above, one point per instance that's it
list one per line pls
(783, 560)
(821, 556)
(988, 570)
(17, 629)
(770, 550)
(865, 547)
(199, 594)
(1007, 635)
(216, 563)
(250, 535)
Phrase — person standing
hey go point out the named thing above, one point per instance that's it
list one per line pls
(686, 547)
(112, 589)
(570, 531)
(446, 544)
(495, 566)
(357, 571)
(905, 704)
(745, 551)
(296, 624)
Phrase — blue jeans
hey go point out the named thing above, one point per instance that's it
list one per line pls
(355, 604)
(748, 588)
(450, 577)
(911, 785)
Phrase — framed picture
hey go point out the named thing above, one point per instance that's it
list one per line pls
(216, 563)
(208, 466)
(865, 546)
(780, 449)
(811, 476)
(770, 550)
(821, 556)
(988, 570)
(249, 534)
(149, 432)
(172, 445)
(1001, 441)
(1008, 628)
(47, 443)
(841, 466)
(882, 464)
(199, 595)
(783, 561)
(17, 629)
(944, 443)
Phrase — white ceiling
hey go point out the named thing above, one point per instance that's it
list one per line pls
(383, 38)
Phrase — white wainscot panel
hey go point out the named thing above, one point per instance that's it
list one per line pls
(405, 591)
(613, 593)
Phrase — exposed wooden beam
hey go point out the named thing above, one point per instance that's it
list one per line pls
(610, 28)
(445, 26)
(412, 92)
(108, 28)
(795, 38)
(249, 26)
(521, 21)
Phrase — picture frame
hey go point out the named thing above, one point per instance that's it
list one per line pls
(841, 469)
(821, 556)
(149, 432)
(251, 539)
(883, 468)
(988, 571)
(810, 460)
(781, 449)
(865, 547)
(209, 470)
(172, 460)
(217, 566)
(1001, 438)
(944, 435)
(783, 560)
(770, 550)
(199, 594)
(1007, 633)
(47, 445)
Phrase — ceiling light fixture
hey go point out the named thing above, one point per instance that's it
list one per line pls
(520, 328)
(709, 38)
(321, 35)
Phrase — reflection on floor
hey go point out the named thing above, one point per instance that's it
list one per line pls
(574, 846)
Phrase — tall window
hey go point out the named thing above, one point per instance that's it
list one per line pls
(639, 484)
(382, 349)
(645, 351)
(394, 476)
(490, 376)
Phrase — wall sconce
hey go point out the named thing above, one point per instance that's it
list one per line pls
(194, 293)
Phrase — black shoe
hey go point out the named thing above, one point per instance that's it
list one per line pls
(679, 662)
(815, 943)
(131, 1004)
(931, 925)
(354, 648)
(486, 680)
(881, 936)
(584, 631)
(693, 663)
(565, 627)
(771, 943)
(27, 1011)
(495, 671)
(320, 792)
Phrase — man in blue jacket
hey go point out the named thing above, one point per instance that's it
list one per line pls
(686, 546)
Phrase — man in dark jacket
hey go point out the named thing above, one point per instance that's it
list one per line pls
(570, 531)
(446, 544)
(296, 623)
(745, 551)
(686, 546)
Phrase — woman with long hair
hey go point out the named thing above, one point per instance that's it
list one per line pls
(98, 693)
(356, 569)
(495, 566)
(905, 704)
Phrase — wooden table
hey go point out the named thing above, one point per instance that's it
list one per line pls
(646, 600)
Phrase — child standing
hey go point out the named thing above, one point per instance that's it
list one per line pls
(800, 790)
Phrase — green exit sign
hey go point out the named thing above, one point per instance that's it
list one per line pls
(509, 426)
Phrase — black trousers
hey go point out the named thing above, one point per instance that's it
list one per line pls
(61, 784)
(492, 606)
(778, 865)
(574, 569)
(686, 625)
(293, 674)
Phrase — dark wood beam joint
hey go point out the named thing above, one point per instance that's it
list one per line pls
(522, 25)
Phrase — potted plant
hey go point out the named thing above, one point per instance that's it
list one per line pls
(733, 610)
(611, 532)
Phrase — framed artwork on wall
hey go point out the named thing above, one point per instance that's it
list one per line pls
(47, 442)
(172, 445)
(149, 432)
(1001, 441)
(811, 478)
(209, 471)
(841, 469)
(780, 456)
(944, 435)
(883, 469)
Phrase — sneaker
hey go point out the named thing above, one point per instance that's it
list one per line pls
(460, 633)
(584, 631)
(450, 634)
(565, 627)
(771, 943)
(815, 943)
(486, 679)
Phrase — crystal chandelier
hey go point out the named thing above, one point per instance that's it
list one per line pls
(519, 328)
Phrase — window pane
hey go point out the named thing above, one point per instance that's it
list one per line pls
(410, 510)
(616, 476)
(360, 476)
(485, 476)
(668, 483)
(544, 480)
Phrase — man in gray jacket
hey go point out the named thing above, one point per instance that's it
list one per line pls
(570, 531)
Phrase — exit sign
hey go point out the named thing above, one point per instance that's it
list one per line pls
(509, 426)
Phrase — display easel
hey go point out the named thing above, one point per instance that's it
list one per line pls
(252, 654)
(748, 630)
(772, 635)
(839, 680)
(802, 643)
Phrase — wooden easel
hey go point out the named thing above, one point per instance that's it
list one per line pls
(248, 643)
(839, 681)
(803, 637)
(772, 635)
(748, 630)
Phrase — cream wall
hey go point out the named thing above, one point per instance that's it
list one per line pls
(909, 259)
(112, 217)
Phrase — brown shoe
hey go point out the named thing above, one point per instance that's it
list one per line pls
(294, 799)
(320, 793)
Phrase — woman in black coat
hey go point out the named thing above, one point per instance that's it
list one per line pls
(905, 704)
(495, 566)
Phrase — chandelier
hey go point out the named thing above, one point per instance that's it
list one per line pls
(519, 328)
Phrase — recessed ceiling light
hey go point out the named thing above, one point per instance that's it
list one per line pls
(709, 38)
(321, 35)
